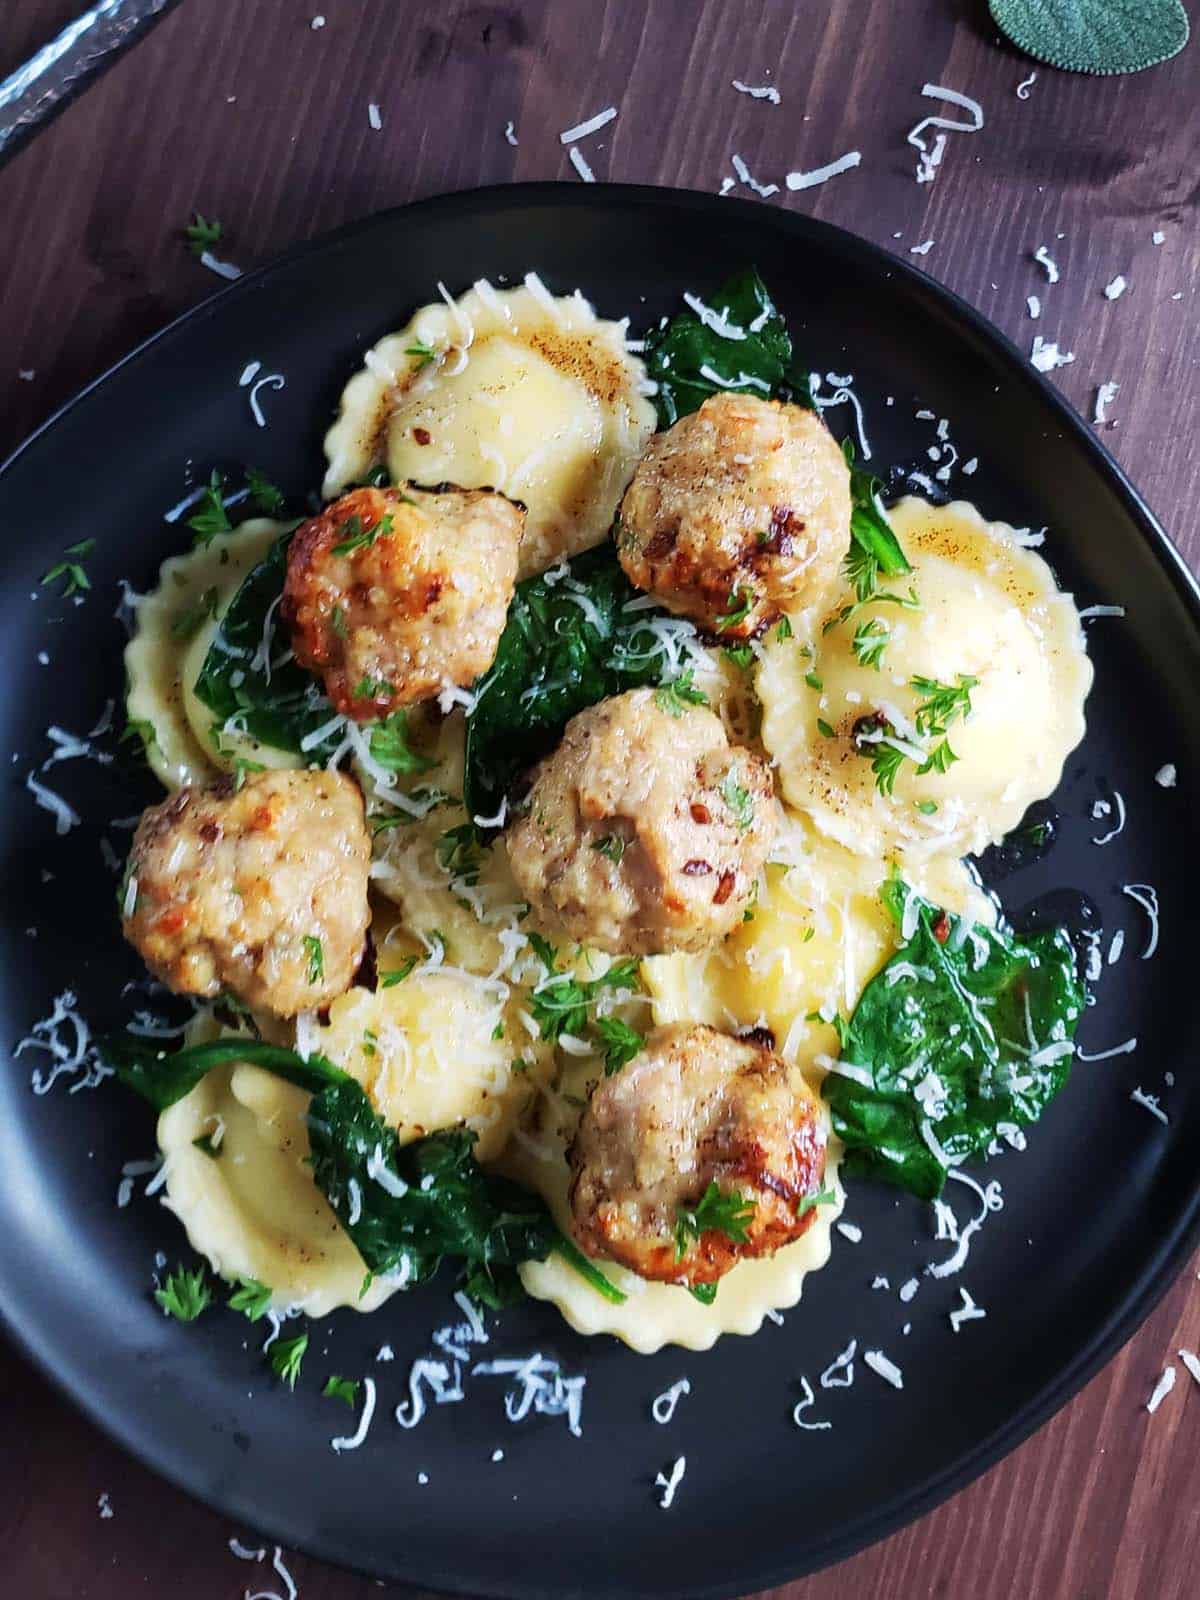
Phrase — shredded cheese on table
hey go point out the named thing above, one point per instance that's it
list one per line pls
(884, 1368)
(353, 1441)
(669, 1484)
(803, 1405)
(592, 125)
(809, 180)
(1106, 393)
(765, 190)
(1161, 1390)
(761, 91)
(662, 1407)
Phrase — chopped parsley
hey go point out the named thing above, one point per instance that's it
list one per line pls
(870, 640)
(611, 845)
(927, 807)
(390, 747)
(944, 703)
(210, 517)
(315, 951)
(72, 570)
(137, 728)
(264, 495)
(202, 233)
(373, 689)
(716, 1211)
(824, 729)
(739, 801)
(940, 759)
(251, 1298)
(286, 1357)
(740, 654)
(389, 980)
(706, 1293)
(823, 1197)
(737, 609)
(240, 769)
(424, 353)
(184, 1294)
(562, 1003)
(360, 538)
(337, 621)
(886, 761)
(814, 681)
(621, 1043)
(370, 1042)
(341, 1389)
(784, 630)
(460, 854)
(681, 692)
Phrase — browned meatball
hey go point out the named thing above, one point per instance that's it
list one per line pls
(395, 594)
(644, 831)
(694, 1109)
(261, 892)
(738, 512)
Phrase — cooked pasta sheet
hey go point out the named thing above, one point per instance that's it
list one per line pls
(513, 389)
(175, 626)
(989, 612)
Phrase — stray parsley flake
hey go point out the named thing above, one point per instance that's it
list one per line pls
(681, 692)
(372, 689)
(944, 703)
(360, 538)
(738, 607)
(706, 1293)
(185, 1294)
(927, 807)
(72, 571)
(201, 233)
(423, 352)
(337, 621)
(740, 654)
(824, 729)
(870, 640)
(561, 1004)
(621, 1043)
(210, 518)
(341, 1389)
(390, 748)
(389, 980)
(814, 681)
(188, 622)
(264, 495)
(739, 801)
(315, 951)
(251, 1298)
(784, 630)
(716, 1211)
(286, 1357)
(611, 845)
(823, 1197)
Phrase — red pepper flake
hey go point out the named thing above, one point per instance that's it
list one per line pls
(700, 813)
(696, 869)
(422, 435)
(941, 927)
(724, 887)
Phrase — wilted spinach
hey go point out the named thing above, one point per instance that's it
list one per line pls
(962, 1032)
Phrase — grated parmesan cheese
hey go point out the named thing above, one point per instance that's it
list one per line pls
(1166, 776)
(843, 1363)
(1044, 259)
(1115, 289)
(1149, 1102)
(1034, 305)
(1106, 393)
(851, 1231)
(581, 166)
(352, 1441)
(223, 269)
(592, 125)
(1047, 356)
(373, 116)
(1147, 897)
(803, 1405)
(967, 1312)
(669, 1484)
(923, 248)
(509, 134)
(884, 1368)
(764, 190)
(662, 1407)
(1161, 1389)
(930, 158)
(809, 180)
(1192, 1362)
(1025, 86)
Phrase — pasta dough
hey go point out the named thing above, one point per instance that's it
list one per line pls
(989, 610)
(253, 1209)
(162, 659)
(510, 389)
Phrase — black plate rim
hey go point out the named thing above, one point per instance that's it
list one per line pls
(907, 1505)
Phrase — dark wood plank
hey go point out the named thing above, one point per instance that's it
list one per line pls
(1098, 1506)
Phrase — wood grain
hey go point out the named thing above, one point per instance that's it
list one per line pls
(248, 114)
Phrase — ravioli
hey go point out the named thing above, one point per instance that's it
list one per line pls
(175, 625)
(655, 1314)
(252, 1209)
(427, 1053)
(512, 389)
(989, 610)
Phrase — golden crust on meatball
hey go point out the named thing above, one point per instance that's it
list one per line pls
(260, 892)
(394, 594)
(696, 1108)
(736, 513)
(645, 830)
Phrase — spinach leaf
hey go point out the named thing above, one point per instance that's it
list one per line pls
(963, 1031)
(277, 705)
(691, 359)
(406, 1207)
(568, 643)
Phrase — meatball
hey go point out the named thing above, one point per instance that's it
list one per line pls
(694, 1109)
(645, 830)
(259, 891)
(392, 595)
(738, 512)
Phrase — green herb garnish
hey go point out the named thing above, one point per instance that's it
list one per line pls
(264, 495)
(588, 1271)
(341, 1389)
(389, 980)
(737, 609)
(675, 697)
(869, 642)
(727, 1212)
(210, 518)
(184, 1294)
(315, 951)
(621, 1043)
(423, 352)
(286, 1356)
(610, 845)
(251, 1298)
(739, 801)
(72, 570)
(201, 233)
(360, 538)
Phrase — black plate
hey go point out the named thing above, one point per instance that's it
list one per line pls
(1100, 1211)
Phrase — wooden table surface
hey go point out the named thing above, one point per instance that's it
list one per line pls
(248, 113)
